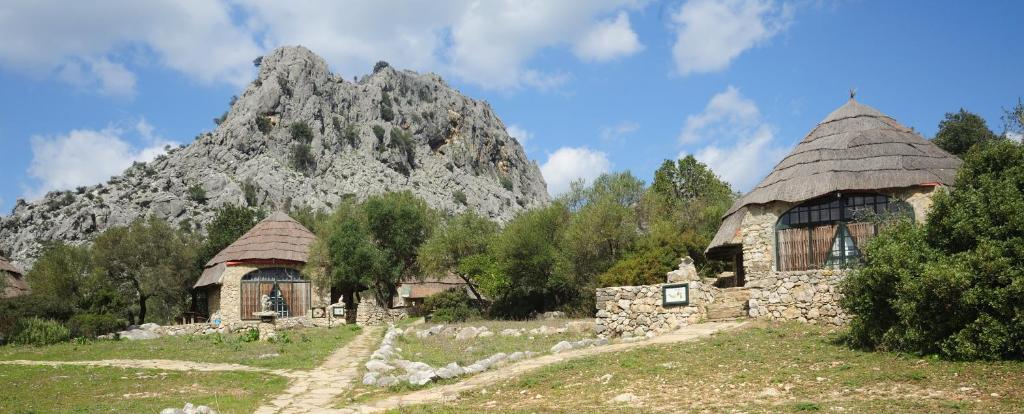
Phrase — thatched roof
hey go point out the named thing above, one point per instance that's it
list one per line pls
(855, 148)
(277, 237)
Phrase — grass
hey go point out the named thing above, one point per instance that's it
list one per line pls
(304, 349)
(764, 369)
(440, 350)
(67, 389)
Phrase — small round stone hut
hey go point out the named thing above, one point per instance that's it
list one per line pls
(267, 260)
(816, 208)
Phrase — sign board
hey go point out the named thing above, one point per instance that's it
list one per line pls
(337, 311)
(676, 294)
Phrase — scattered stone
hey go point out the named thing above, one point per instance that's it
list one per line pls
(468, 332)
(561, 347)
(769, 393)
(625, 398)
(605, 378)
(376, 365)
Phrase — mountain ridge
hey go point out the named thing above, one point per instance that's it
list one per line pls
(301, 136)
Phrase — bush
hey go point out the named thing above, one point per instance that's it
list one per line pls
(378, 131)
(249, 335)
(452, 305)
(953, 285)
(263, 124)
(647, 268)
(380, 65)
(301, 132)
(38, 331)
(302, 158)
(460, 197)
(197, 194)
(91, 325)
(506, 183)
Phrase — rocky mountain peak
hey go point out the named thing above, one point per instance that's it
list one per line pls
(301, 136)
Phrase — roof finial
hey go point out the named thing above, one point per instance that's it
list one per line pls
(853, 93)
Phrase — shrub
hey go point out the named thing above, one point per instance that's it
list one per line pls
(263, 124)
(403, 141)
(452, 305)
(378, 131)
(301, 132)
(38, 331)
(197, 194)
(302, 158)
(460, 197)
(506, 183)
(351, 135)
(249, 335)
(387, 114)
(250, 189)
(91, 325)
(380, 65)
(953, 285)
(647, 268)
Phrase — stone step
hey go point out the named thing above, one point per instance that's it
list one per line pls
(726, 311)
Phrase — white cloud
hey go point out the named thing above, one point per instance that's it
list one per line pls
(724, 111)
(738, 144)
(519, 133)
(711, 33)
(570, 164)
(608, 40)
(80, 41)
(86, 157)
(617, 133)
(1015, 136)
(486, 42)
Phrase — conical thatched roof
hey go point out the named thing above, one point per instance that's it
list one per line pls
(856, 147)
(277, 237)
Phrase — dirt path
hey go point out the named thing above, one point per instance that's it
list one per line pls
(164, 364)
(311, 391)
(451, 391)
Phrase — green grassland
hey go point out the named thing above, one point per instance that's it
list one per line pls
(75, 389)
(295, 349)
(762, 369)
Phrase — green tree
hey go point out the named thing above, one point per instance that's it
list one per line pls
(526, 252)
(465, 236)
(229, 223)
(960, 131)
(148, 261)
(955, 285)
(373, 244)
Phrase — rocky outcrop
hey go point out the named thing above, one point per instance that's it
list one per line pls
(301, 136)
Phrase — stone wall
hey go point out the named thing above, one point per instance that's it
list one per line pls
(228, 298)
(369, 313)
(637, 311)
(808, 296)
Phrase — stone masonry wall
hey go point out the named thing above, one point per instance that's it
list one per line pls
(636, 310)
(230, 292)
(369, 313)
(807, 296)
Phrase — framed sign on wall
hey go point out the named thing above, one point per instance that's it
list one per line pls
(675, 294)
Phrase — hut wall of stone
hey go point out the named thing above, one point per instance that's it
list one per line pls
(229, 297)
(808, 296)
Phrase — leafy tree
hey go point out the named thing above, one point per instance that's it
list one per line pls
(465, 236)
(373, 244)
(955, 285)
(526, 252)
(452, 305)
(960, 131)
(229, 223)
(148, 260)
(1013, 121)
(688, 179)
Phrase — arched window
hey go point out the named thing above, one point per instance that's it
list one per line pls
(288, 291)
(826, 232)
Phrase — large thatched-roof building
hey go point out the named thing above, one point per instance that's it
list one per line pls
(814, 209)
(267, 260)
(12, 280)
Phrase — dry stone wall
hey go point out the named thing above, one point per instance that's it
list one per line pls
(808, 296)
(637, 310)
(369, 313)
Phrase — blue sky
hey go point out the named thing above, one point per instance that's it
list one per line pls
(588, 87)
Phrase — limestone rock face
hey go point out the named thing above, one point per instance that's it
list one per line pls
(390, 130)
(686, 272)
